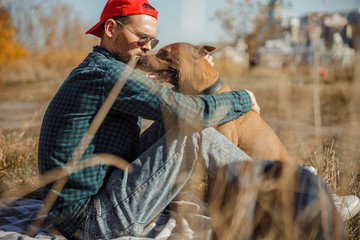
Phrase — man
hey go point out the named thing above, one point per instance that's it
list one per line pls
(105, 202)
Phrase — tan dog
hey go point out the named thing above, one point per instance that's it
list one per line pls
(184, 66)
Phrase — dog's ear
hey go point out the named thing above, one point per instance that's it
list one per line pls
(205, 49)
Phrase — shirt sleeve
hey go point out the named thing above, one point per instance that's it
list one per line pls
(142, 97)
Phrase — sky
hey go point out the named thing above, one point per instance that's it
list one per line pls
(193, 20)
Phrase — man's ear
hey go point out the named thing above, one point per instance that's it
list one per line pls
(205, 49)
(109, 27)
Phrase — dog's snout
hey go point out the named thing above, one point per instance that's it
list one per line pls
(144, 64)
(140, 60)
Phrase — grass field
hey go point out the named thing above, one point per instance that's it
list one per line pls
(286, 98)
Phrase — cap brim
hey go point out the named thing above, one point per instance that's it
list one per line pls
(96, 30)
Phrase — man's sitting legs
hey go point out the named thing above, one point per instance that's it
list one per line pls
(129, 200)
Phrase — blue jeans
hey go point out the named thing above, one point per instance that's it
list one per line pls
(131, 199)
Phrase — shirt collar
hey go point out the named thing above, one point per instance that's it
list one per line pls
(104, 51)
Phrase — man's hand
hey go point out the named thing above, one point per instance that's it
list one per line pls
(209, 58)
(255, 106)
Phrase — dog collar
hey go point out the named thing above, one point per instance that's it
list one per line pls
(214, 88)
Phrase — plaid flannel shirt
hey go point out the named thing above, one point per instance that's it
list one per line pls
(75, 105)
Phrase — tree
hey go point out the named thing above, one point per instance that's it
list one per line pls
(237, 18)
(51, 30)
(245, 19)
(260, 32)
(10, 48)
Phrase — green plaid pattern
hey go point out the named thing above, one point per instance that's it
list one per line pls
(75, 105)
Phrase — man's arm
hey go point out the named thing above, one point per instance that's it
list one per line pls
(142, 97)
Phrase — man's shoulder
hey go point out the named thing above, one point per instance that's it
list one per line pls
(102, 56)
(100, 60)
(97, 63)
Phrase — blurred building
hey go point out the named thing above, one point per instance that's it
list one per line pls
(334, 36)
(280, 13)
(276, 53)
(237, 53)
(293, 41)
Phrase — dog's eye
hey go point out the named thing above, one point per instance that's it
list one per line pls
(163, 54)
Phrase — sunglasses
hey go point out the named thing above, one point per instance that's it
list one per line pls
(142, 39)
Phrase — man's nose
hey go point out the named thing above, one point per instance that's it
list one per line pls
(147, 46)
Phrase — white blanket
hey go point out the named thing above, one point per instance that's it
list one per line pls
(18, 216)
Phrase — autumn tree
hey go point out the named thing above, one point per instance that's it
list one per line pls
(51, 30)
(10, 48)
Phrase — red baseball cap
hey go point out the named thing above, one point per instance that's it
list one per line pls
(120, 8)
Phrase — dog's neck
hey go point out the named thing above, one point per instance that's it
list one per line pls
(203, 81)
(214, 88)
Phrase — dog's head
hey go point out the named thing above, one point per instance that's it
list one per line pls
(179, 64)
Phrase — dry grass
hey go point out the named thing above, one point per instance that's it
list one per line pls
(18, 158)
(286, 100)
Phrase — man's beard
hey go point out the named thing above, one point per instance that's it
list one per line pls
(119, 55)
(127, 59)
(122, 57)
